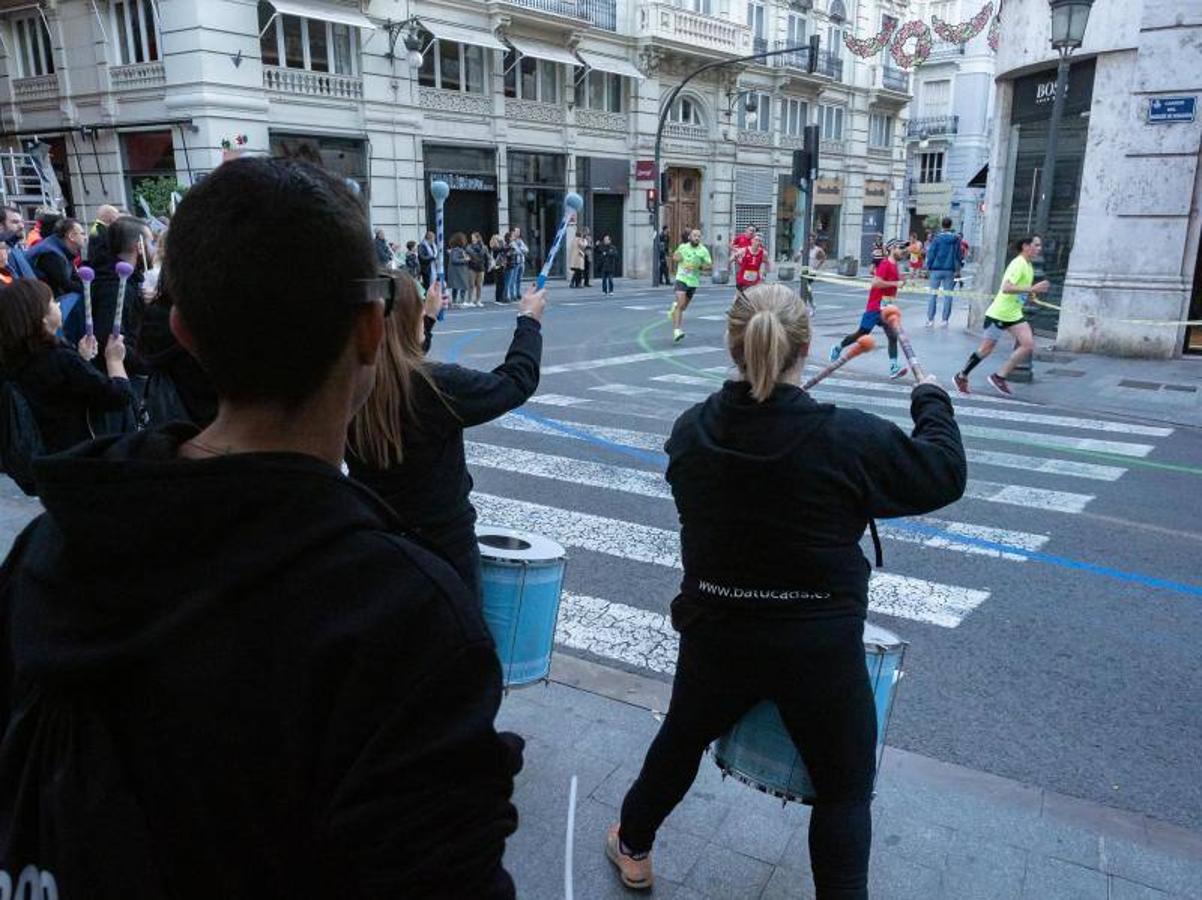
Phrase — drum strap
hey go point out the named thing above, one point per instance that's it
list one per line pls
(876, 544)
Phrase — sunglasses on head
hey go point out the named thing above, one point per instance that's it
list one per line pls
(381, 288)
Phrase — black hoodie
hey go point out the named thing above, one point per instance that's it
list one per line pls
(234, 678)
(774, 497)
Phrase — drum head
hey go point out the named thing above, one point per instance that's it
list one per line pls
(875, 635)
(516, 546)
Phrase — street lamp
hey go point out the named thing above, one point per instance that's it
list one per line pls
(751, 103)
(1069, 18)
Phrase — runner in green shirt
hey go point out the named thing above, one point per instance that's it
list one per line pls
(691, 260)
(1005, 314)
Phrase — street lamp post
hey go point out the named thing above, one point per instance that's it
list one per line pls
(1069, 18)
(811, 46)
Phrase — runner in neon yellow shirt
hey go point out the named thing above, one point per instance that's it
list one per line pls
(692, 259)
(1005, 314)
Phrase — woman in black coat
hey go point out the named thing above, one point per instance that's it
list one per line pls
(406, 443)
(57, 381)
(774, 493)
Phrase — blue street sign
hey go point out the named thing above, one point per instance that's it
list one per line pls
(1171, 109)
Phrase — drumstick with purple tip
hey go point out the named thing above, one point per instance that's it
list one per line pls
(87, 275)
(572, 204)
(893, 321)
(124, 270)
(863, 344)
(439, 190)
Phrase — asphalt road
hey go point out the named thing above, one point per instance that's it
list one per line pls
(1076, 669)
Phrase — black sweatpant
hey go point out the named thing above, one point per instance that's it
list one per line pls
(890, 335)
(815, 671)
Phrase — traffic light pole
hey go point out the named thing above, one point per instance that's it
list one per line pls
(663, 120)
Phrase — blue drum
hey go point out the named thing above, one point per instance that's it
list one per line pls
(759, 752)
(522, 577)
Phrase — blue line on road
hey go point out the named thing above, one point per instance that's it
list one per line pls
(646, 456)
(457, 346)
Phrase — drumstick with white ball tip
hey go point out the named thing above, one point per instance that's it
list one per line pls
(572, 204)
(87, 275)
(439, 190)
(893, 321)
(863, 344)
(124, 270)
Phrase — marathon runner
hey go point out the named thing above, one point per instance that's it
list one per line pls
(691, 260)
(885, 281)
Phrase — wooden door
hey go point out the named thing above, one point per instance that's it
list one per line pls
(683, 201)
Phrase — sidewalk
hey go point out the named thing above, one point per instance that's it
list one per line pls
(939, 831)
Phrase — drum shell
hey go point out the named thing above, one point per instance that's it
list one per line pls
(759, 751)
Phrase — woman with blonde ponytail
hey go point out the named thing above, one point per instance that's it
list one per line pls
(774, 493)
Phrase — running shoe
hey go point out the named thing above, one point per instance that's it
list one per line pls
(961, 382)
(634, 871)
(672, 309)
(836, 352)
(945, 324)
(677, 335)
(1000, 385)
(930, 323)
(897, 370)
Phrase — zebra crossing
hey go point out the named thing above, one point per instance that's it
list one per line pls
(577, 452)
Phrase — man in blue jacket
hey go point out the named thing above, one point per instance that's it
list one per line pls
(12, 234)
(944, 259)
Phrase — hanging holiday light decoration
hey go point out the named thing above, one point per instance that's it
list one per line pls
(922, 44)
(965, 31)
(872, 47)
(994, 33)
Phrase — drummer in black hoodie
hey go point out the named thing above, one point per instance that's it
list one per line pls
(224, 671)
(774, 493)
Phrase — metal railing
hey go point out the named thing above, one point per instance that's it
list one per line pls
(796, 59)
(759, 45)
(895, 79)
(600, 13)
(933, 125)
(830, 65)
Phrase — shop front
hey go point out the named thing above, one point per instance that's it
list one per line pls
(604, 185)
(345, 158)
(876, 202)
(471, 174)
(1031, 114)
(828, 204)
(537, 183)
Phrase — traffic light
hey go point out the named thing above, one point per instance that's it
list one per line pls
(810, 143)
(812, 62)
(652, 198)
(801, 167)
(663, 187)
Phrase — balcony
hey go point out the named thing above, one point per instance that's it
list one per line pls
(39, 87)
(832, 146)
(474, 105)
(600, 120)
(686, 132)
(303, 83)
(932, 126)
(690, 32)
(798, 60)
(895, 80)
(598, 13)
(755, 138)
(138, 75)
(759, 45)
(533, 111)
(830, 65)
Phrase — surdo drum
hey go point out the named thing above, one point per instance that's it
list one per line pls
(522, 578)
(759, 752)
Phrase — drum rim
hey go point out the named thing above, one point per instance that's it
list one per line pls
(542, 548)
(895, 642)
(728, 769)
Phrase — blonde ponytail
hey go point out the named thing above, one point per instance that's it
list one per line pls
(768, 330)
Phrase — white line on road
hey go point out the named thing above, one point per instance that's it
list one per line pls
(945, 605)
(604, 362)
(1029, 497)
(558, 400)
(1068, 467)
(637, 637)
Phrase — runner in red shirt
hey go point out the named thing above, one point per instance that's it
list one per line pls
(885, 281)
(751, 264)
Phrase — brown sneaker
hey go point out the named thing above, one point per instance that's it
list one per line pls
(999, 385)
(961, 382)
(635, 873)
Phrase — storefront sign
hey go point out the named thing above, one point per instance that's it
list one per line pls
(876, 193)
(466, 182)
(828, 192)
(607, 176)
(644, 170)
(1035, 94)
(1164, 110)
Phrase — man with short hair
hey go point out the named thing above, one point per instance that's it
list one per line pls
(944, 259)
(106, 215)
(12, 234)
(53, 257)
(1007, 316)
(264, 688)
(427, 252)
(739, 244)
(886, 279)
(692, 259)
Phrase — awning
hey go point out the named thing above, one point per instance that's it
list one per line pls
(978, 180)
(539, 50)
(610, 64)
(323, 12)
(458, 33)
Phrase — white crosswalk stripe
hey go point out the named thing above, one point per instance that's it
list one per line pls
(585, 365)
(916, 599)
(640, 440)
(557, 400)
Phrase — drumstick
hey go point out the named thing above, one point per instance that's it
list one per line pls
(87, 275)
(892, 318)
(142, 253)
(572, 203)
(439, 190)
(124, 270)
(863, 344)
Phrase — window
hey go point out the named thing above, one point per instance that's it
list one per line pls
(830, 121)
(834, 42)
(686, 112)
(601, 90)
(755, 19)
(944, 9)
(147, 155)
(527, 78)
(930, 168)
(452, 66)
(135, 30)
(32, 45)
(794, 117)
(796, 33)
(886, 56)
(936, 98)
(345, 158)
(880, 131)
(698, 6)
(761, 119)
(297, 43)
